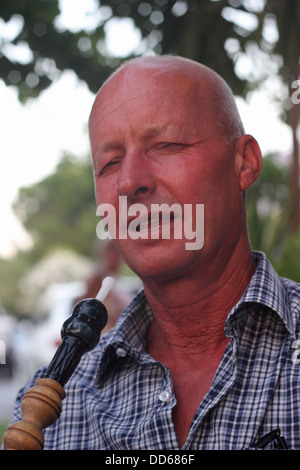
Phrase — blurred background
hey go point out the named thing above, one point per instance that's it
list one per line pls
(54, 56)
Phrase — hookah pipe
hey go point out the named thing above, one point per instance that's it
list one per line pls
(42, 404)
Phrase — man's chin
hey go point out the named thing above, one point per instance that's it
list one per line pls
(162, 260)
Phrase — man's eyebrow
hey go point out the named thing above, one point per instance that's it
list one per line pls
(108, 146)
(155, 131)
(146, 133)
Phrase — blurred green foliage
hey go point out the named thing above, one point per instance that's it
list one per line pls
(268, 211)
(60, 210)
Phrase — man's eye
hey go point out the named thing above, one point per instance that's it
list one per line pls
(108, 166)
(169, 144)
(172, 144)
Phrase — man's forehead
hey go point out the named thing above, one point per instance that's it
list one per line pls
(154, 85)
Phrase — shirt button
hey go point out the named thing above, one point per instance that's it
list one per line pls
(164, 396)
(121, 352)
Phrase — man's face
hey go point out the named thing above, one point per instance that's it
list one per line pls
(155, 139)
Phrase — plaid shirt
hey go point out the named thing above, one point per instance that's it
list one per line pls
(120, 398)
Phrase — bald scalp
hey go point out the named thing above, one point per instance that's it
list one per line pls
(210, 87)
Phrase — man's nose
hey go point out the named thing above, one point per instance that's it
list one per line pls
(135, 178)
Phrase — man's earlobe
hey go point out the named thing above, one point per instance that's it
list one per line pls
(248, 161)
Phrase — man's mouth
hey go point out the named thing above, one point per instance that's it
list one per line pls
(161, 221)
(151, 224)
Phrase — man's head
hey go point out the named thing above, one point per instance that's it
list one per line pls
(167, 130)
(214, 88)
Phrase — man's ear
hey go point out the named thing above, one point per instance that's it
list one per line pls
(248, 161)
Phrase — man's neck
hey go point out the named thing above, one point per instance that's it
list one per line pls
(189, 314)
(187, 332)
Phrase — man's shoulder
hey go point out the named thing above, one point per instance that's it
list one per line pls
(293, 291)
(291, 285)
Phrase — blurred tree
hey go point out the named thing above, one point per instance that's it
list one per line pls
(288, 265)
(197, 29)
(60, 210)
(11, 271)
(283, 16)
(267, 202)
(36, 47)
(40, 46)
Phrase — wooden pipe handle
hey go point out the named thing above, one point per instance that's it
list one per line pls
(41, 407)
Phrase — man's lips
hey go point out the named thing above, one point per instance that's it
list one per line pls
(153, 222)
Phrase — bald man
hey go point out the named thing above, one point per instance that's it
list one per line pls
(204, 357)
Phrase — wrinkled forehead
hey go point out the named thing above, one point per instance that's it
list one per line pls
(155, 85)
